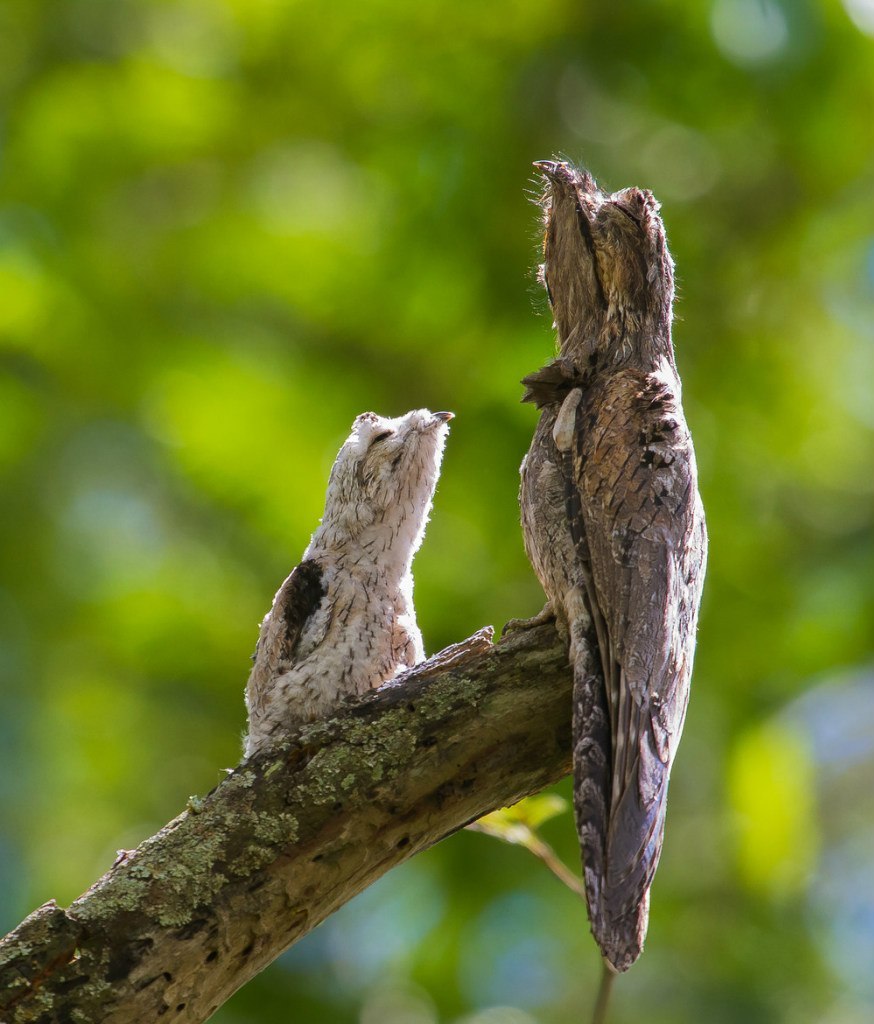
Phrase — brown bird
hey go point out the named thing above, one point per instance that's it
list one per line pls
(614, 528)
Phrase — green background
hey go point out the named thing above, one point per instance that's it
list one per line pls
(229, 226)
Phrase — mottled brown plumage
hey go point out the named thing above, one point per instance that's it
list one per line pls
(614, 528)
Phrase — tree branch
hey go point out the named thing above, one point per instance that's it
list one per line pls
(179, 924)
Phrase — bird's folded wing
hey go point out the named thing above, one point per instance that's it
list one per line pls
(635, 472)
(295, 603)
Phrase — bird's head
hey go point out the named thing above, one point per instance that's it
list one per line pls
(605, 255)
(384, 478)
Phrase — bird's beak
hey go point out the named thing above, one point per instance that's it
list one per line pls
(443, 417)
(551, 168)
(566, 179)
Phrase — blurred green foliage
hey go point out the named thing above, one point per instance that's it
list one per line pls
(229, 226)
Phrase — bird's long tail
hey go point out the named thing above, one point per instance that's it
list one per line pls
(591, 732)
(618, 923)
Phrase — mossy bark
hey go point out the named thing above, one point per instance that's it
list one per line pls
(179, 924)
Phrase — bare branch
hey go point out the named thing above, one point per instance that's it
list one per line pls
(180, 923)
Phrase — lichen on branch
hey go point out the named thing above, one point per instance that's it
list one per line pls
(176, 926)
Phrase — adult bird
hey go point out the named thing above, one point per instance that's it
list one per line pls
(614, 528)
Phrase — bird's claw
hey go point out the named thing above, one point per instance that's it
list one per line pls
(546, 614)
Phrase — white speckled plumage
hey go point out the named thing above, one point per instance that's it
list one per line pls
(344, 622)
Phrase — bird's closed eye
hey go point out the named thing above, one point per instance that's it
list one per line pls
(628, 213)
(381, 437)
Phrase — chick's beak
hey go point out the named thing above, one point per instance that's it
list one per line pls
(443, 417)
